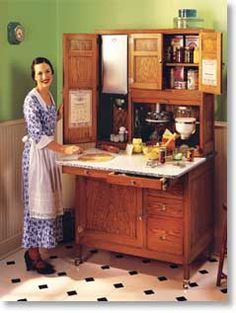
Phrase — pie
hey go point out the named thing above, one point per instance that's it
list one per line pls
(96, 157)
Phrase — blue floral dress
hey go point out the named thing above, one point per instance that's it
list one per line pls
(38, 232)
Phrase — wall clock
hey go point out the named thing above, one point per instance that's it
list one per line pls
(16, 33)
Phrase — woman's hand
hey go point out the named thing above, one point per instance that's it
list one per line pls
(72, 149)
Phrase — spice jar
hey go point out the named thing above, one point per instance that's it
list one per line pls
(180, 55)
(137, 145)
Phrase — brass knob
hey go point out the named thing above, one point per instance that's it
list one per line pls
(80, 229)
(163, 208)
(163, 237)
(133, 182)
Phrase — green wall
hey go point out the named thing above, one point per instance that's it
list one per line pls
(46, 20)
(39, 20)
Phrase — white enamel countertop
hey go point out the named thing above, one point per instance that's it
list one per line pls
(135, 164)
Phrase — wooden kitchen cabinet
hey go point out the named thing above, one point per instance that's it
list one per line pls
(164, 219)
(172, 224)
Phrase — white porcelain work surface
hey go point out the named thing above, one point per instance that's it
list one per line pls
(135, 164)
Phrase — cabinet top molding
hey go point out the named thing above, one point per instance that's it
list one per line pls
(159, 30)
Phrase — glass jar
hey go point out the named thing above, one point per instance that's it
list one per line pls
(183, 111)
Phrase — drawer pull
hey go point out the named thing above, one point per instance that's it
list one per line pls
(163, 208)
(163, 237)
(133, 182)
(80, 229)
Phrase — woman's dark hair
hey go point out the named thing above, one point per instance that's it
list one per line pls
(40, 60)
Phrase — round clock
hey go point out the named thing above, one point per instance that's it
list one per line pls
(16, 33)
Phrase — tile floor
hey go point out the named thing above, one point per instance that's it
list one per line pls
(108, 276)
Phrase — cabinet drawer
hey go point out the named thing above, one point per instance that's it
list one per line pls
(163, 206)
(140, 182)
(175, 191)
(165, 235)
(84, 172)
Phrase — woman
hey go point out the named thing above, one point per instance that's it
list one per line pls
(41, 176)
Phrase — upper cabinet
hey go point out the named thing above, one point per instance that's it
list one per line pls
(145, 52)
(80, 87)
(115, 80)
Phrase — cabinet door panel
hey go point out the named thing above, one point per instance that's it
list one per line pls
(80, 87)
(145, 61)
(210, 67)
(110, 213)
(165, 235)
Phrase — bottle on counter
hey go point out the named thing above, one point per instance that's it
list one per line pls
(137, 145)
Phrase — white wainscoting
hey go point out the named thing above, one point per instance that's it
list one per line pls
(11, 208)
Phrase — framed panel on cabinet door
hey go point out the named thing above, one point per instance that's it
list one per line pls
(210, 66)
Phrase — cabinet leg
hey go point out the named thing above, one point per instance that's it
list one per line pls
(186, 276)
(78, 257)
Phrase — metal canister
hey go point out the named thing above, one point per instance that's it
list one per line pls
(162, 155)
(180, 55)
(192, 79)
(188, 55)
(190, 154)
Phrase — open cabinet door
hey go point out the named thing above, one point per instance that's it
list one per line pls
(210, 67)
(80, 81)
(145, 61)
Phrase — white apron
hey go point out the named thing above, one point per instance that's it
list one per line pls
(45, 188)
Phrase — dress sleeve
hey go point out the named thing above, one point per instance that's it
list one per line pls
(32, 116)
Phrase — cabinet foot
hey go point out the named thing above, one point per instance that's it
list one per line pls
(185, 283)
(78, 261)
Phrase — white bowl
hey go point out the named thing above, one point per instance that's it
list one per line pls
(185, 126)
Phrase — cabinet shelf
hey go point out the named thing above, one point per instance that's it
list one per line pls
(182, 64)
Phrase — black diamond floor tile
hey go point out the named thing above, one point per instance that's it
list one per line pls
(71, 293)
(162, 278)
(23, 299)
(193, 284)
(11, 262)
(43, 286)
(88, 279)
(182, 298)
(102, 299)
(61, 274)
(133, 272)
(203, 272)
(105, 267)
(15, 280)
(223, 290)
(118, 285)
(149, 292)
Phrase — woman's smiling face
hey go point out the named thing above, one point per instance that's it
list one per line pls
(43, 75)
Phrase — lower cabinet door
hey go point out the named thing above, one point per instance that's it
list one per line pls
(110, 213)
(165, 235)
